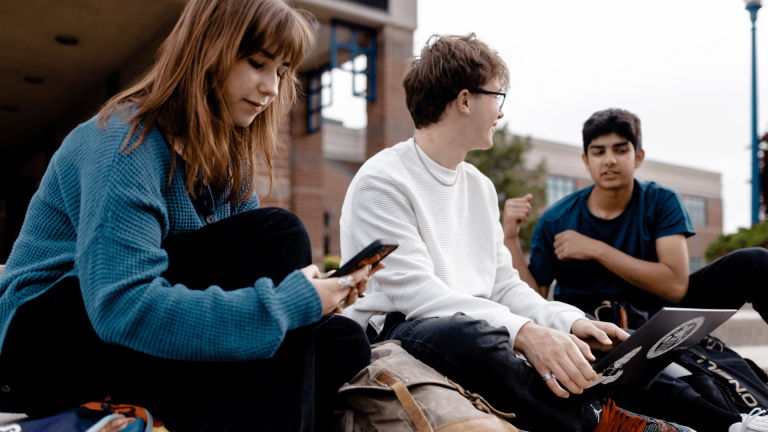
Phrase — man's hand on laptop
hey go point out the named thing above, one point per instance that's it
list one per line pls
(600, 336)
(551, 351)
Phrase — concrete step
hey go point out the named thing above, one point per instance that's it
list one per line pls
(747, 334)
(745, 328)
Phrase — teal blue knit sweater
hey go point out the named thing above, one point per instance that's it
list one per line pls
(101, 215)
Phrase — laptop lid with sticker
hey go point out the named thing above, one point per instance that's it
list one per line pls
(656, 344)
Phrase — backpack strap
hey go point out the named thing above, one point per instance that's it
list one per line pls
(407, 400)
(480, 403)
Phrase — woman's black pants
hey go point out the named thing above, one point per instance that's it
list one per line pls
(52, 359)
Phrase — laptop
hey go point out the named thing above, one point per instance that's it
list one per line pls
(656, 344)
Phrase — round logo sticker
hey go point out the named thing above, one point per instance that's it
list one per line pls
(675, 337)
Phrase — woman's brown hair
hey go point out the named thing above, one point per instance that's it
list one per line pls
(447, 65)
(183, 93)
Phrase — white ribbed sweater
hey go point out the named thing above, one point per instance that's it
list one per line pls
(451, 257)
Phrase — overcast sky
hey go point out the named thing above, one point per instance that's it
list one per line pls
(683, 67)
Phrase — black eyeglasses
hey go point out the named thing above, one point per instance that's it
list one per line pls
(499, 96)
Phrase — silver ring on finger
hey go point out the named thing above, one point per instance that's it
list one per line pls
(346, 282)
(548, 376)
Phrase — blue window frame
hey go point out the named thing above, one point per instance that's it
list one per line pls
(315, 103)
(362, 41)
(349, 41)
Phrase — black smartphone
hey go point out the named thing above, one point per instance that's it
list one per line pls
(371, 255)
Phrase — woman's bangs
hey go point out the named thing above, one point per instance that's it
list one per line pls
(289, 37)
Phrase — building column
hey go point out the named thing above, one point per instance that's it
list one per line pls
(281, 161)
(389, 121)
(306, 167)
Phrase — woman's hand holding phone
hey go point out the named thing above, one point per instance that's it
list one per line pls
(332, 293)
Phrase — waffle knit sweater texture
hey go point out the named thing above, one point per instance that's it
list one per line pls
(451, 256)
(101, 215)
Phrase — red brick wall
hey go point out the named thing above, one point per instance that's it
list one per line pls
(306, 175)
(389, 122)
(715, 214)
(338, 176)
(282, 188)
(310, 186)
(388, 119)
(705, 235)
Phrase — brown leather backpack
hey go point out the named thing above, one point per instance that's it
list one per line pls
(399, 393)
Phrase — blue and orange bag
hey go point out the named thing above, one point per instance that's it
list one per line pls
(92, 417)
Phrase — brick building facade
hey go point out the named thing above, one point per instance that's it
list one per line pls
(313, 169)
(71, 83)
(316, 180)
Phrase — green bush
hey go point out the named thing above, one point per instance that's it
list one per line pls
(757, 236)
(331, 262)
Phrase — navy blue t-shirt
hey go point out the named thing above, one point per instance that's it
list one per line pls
(653, 212)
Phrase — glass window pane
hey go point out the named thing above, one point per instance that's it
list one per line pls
(363, 39)
(695, 263)
(558, 188)
(343, 35)
(697, 210)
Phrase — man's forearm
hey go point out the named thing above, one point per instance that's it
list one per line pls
(652, 277)
(518, 262)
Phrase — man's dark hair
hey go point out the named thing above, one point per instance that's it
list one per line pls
(622, 122)
(447, 65)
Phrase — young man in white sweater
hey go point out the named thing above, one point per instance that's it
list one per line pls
(450, 293)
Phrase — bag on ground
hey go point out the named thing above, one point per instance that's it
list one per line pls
(398, 393)
(92, 417)
(721, 385)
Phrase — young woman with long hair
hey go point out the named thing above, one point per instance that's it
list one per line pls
(145, 273)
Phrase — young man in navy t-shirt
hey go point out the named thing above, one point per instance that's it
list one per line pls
(623, 239)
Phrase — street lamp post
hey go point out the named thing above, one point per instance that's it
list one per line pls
(752, 7)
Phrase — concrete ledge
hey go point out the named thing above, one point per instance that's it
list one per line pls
(745, 328)
(747, 334)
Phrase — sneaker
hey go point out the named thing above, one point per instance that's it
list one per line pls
(752, 422)
(614, 419)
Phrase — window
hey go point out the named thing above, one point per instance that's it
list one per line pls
(355, 42)
(558, 188)
(353, 49)
(697, 210)
(695, 263)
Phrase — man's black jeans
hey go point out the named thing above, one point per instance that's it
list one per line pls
(52, 359)
(730, 281)
(480, 358)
